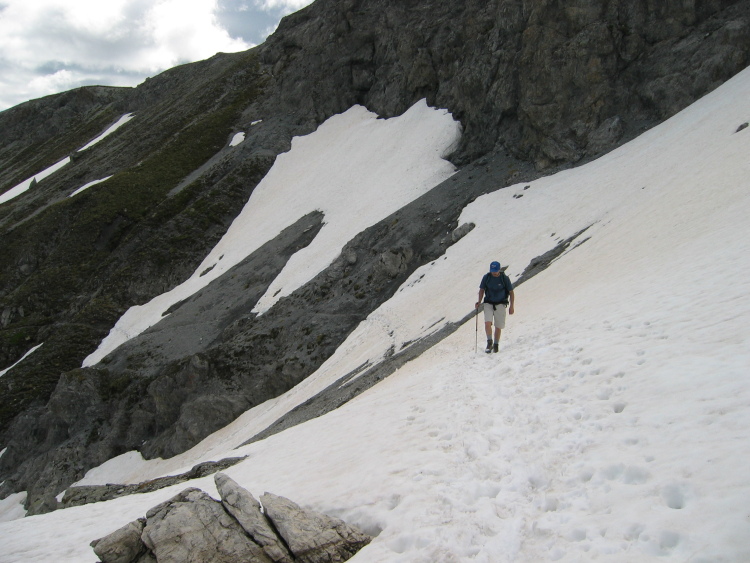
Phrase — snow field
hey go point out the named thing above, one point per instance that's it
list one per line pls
(355, 168)
(612, 426)
(11, 507)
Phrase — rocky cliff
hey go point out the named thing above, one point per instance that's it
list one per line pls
(537, 85)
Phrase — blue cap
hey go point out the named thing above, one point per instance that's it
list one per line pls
(495, 267)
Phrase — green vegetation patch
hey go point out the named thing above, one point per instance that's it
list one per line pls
(87, 245)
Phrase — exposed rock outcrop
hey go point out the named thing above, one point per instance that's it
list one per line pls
(545, 80)
(77, 496)
(194, 528)
(247, 511)
(312, 537)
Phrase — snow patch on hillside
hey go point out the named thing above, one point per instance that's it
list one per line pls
(26, 184)
(237, 139)
(111, 129)
(355, 168)
(88, 185)
(26, 355)
(17, 190)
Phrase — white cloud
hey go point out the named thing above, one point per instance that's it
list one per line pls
(187, 35)
(48, 46)
(286, 6)
(55, 82)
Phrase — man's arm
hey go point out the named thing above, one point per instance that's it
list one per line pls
(481, 291)
(512, 299)
(479, 299)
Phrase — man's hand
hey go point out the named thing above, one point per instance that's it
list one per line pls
(510, 310)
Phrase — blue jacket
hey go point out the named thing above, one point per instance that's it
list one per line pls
(496, 289)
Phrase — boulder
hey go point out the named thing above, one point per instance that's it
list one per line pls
(396, 261)
(313, 537)
(123, 545)
(194, 528)
(460, 232)
(246, 510)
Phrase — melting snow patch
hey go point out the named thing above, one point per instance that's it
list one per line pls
(120, 122)
(26, 184)
(26, 355)
(86, 186)
(237, 139)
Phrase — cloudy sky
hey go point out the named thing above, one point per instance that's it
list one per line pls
(49, 46)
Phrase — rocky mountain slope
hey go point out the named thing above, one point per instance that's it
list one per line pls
(536, 86)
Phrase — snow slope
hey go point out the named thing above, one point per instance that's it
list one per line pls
(613, 424)
(355, 168)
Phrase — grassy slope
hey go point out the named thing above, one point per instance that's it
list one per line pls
(92, 251)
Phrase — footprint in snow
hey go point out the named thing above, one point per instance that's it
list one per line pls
(674, 496)
(630, 475)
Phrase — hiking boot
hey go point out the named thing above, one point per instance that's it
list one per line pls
(489, 346)
(494, 346)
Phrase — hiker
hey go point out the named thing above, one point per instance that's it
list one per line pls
(497, 291)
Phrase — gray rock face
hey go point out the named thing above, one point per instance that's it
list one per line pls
(313, 537)
(246, 510)
(123, 545)
(194, 528)
(539, 78)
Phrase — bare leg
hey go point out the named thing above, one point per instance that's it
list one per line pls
(488, 330)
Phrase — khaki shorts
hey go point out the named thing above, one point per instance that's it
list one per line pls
(498, 315)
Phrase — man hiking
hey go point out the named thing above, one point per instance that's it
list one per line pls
(497, 291)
